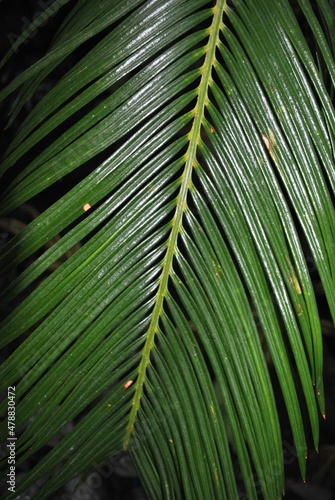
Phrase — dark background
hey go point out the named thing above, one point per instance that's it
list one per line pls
(121, 481)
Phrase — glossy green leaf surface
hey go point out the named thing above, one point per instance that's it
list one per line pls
(201, 136)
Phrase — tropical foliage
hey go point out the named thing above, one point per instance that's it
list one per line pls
(202, 138)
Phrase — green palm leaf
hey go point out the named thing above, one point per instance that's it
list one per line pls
(203, 137)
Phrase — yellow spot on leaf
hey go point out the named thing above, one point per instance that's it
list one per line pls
(295, 283)
(127, 384)
(270, 143)
(217, 269)
(266, 142)
(213, 410)
(272, 138)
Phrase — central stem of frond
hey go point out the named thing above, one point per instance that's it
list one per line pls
(186, 182)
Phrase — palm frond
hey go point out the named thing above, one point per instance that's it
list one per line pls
(203, 140)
